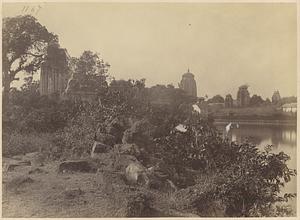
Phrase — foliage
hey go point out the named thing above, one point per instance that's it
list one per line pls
(89, 73)
(24, 44)
(256, 100)
(30, 112)
(248, 178)
(16, 143)
(216, 99)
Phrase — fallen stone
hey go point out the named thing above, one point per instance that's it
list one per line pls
(136, 174)
(99, 148)
(131, 149)
(77, 166)
(11, 166)
(122, 162)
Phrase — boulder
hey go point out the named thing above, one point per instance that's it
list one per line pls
(135, 174)
(99, 148)
(122, 161)
(77, 166)
(12, 165)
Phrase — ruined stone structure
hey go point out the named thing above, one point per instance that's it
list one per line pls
(188, 84)
(243, 96)
(276, 97)
(54, 71)
(228, 101)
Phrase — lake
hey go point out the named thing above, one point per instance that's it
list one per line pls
(283, 138)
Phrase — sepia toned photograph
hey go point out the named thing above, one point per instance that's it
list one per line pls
(149, 109)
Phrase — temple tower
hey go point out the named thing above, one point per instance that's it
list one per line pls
(243, 96)
(276, 97)
(188, 84)
(228, 101)
(54, 71)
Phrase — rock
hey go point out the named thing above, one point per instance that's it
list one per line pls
(166, 186)
(106, 139)
(131, 149)
(73, 193)
(135, 173)
(11, 166)
(99, 148)
(122, 161)
(77, 166)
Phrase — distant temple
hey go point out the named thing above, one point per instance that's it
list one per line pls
(188, 84)
(228, 101)
(54, 71)
(276, 97)
(243, 96)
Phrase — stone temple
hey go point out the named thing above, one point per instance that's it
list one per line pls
(243, 96)
(188, 84)
(54, 71)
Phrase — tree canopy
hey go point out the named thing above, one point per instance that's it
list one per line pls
(216, 99)
(89, 73)
(24, 46)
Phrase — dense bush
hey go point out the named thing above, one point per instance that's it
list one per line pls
(248, 179)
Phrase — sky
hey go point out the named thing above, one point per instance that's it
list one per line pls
(224, 45)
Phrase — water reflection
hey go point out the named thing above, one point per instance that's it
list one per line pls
(276, 136)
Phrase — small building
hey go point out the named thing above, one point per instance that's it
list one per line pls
(289, 108)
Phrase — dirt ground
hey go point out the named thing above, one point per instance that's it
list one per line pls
(49, 194)
(31, 191)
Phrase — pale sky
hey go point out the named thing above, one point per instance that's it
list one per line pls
(225, 45)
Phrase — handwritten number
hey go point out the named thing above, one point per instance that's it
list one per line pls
(32, 9)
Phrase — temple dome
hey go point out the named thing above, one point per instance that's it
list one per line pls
(188, 74)
(188, 84)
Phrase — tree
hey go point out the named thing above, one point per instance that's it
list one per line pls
(24, 46)
(216, 99)
(89, 73)
(256, 100)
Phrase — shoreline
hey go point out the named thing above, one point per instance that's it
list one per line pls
(260, 122)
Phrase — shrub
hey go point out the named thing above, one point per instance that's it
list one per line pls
(18, 143)
(247, 177)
